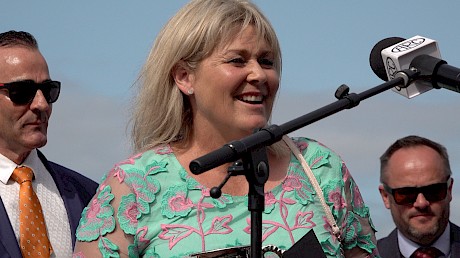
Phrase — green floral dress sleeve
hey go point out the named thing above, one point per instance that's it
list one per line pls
(344, 200)
(357, 228)
(108, 226)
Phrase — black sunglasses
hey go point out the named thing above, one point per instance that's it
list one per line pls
(23, 92)
(408, 195)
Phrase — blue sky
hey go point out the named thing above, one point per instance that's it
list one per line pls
(97, 48)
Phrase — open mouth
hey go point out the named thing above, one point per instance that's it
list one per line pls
(251, 99)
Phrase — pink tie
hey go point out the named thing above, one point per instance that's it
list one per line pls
(33, 238)
(427, 252)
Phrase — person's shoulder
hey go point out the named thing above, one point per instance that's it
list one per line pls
(68, 180)
(65, 173)
(304, 143)
(156, 155)
(383, 240)
(69, 172)
(454, 227)
(309, 142)
(312, 146)
(60, 168)
(388, 243)
(454, 232)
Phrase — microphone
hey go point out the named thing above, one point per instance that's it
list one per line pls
(419, 54)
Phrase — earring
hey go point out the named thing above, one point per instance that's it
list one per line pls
(190, 91)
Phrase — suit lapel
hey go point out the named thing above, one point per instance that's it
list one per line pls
(8, 244)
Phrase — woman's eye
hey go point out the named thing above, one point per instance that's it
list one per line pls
(237, 60)
(266, 62)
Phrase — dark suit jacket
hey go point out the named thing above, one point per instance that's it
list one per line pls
(389, 248)
(76, 190)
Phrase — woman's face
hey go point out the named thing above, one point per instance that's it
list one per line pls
(234, 88)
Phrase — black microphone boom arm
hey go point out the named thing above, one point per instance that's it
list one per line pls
(233, 151)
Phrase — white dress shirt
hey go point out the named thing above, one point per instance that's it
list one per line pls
(54, 212)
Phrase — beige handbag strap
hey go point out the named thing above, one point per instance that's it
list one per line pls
(314, 182)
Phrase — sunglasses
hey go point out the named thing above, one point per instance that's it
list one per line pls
(23, 92)
(408, 195)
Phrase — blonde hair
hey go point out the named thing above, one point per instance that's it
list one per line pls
(161, 113)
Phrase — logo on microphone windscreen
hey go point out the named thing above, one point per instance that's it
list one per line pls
(408, 45)
(391, 67)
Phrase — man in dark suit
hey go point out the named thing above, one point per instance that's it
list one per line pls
(417, 188)
(26, 97)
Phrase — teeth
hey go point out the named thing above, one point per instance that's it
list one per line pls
(252, 98)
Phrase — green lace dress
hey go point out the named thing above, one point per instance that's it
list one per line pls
(148, 206)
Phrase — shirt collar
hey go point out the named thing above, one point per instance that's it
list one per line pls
(32, 161)
(407, 247)
(7, 166)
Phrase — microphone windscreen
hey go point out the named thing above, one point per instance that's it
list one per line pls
(375, 58)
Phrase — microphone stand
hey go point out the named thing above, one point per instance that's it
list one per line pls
(251, 156)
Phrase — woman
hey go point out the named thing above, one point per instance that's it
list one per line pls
(211, 78)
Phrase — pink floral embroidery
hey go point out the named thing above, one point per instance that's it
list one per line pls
(345, 172)
(131, 160)
(118, 173)
(291, 183)
(131, 212)
(357, 198)
(220, 225)
(175, 233)
(180, 203)
(142, 242)
(128, 213)
(270, 198)
(93, 209)
(316, 161)
(301, 145)
(337, 199)
(97, 219)
(175, 203)
(303, 220)
(141, 233)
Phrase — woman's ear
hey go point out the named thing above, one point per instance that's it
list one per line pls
(183, 77)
